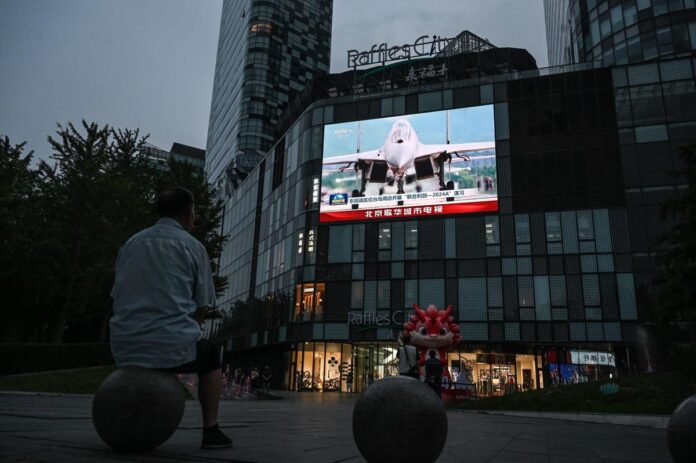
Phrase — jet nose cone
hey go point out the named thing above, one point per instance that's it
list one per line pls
(399, 140)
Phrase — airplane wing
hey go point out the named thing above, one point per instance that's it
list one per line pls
(348, 159)
(466, 158)
(456, 149)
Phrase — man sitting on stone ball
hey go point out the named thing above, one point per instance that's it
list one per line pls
(163, 283)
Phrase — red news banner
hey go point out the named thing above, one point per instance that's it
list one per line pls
(410, 211)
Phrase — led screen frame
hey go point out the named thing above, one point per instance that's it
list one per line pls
(424, 164)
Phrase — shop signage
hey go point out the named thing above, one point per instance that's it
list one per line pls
(583, 357)
(426, 72)
(300, 242)
(315, 190)
(310, 240)
(423, 46)
(363, 319)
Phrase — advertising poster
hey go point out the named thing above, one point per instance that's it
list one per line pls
(437, 163)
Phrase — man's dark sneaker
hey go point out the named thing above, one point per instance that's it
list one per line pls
(214, 438)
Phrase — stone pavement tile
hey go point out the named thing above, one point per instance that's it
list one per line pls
(311, 427)
(651, 450)
(517, 457)
(467, 452)
(575, 458)
(527, 446)
(541, 436)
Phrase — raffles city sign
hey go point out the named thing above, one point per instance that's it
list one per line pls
(423, 47)
(366, 319)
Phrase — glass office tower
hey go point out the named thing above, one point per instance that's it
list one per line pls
(619, 32)
(558, 37)
(267, 52)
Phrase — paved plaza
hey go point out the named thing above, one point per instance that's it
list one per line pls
(311, 427)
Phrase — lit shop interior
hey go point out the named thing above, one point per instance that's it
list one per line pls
(333, 367)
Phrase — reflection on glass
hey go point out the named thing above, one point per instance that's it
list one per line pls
(492, 234)
(411, 235)
(553, 226)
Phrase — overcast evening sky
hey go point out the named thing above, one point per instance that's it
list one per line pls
(150, 63)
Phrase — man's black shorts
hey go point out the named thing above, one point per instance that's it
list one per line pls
(207, 360)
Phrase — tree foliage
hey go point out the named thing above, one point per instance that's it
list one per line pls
(63, 222)
(676, 275)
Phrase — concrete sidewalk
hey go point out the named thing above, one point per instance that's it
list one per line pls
(644, 421)
(311, 427)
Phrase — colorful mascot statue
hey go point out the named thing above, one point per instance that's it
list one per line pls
(433, 329)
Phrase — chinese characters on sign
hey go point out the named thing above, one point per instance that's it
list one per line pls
(426, 72)
(300, 242)
(315, 190)
(310, 240)
(592, 358)
(403, 211)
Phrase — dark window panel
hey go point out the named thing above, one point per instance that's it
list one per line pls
(510, 298)
(431, 269)
(471, 238)
(335, 308)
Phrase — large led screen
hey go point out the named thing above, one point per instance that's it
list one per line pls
(437, 163)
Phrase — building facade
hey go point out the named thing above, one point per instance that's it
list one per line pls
(548, 286)
(619, 31)
(267, 52)
(178, 152)
(558, 36)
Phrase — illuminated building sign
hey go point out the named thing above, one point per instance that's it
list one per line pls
(315, 190)
(310, 240)
(437, 163)
(363, 319)
(300, 242)
(416, 75)
(583, 357)
(424, 46)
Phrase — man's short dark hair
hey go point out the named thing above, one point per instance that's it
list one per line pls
(406, 339)
(432, 354)
(174, 202)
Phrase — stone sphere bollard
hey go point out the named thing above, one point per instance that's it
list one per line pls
(137, 410)
(399, 419)
(681, 431)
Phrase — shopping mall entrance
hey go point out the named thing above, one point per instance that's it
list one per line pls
(330, 367)
(495, 374)
(372, 362)
(344, 367)
(333, 367)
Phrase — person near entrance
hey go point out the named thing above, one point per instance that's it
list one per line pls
(433, 372)
(408, 358)
(349, 381)
(163, 283)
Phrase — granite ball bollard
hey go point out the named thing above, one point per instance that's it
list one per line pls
(136, 409)
(681, 432)
(399, 419)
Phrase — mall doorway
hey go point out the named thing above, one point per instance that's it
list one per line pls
(372, 362)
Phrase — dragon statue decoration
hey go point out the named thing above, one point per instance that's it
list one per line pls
(432, 329)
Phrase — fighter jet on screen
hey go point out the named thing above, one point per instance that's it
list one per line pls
(403, 158)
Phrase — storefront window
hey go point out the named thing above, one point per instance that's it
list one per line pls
(319, 302)
(333, 367)
(309, 300)
(318, 367)
(493, 374)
